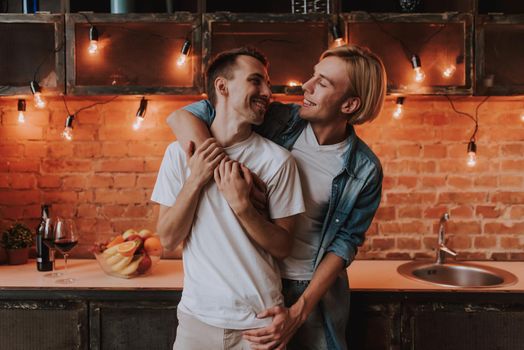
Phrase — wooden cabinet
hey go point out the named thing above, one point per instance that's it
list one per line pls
(436, 321)
(132, 325)
(137, 54)
(31, 48)
(43, 324)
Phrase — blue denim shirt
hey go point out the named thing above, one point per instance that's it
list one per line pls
(355, 197)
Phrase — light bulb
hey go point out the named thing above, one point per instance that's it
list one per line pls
(93, 47)
(472, 153)
(339, 42)
(397, 114)
(93, 41)
(293, 83)
(21, 117)
(449, 71)
(138, 123)
(184, 52)
(67, 133)
(21, 110)
(522, 116)
(417, 67)
(68, 130)
(35, 89)
(419, 75)
(181, 60)
(39, 101)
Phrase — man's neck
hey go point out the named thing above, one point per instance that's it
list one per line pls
(228, 128)
(330, 133)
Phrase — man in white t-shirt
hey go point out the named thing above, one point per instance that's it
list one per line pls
(230, 249)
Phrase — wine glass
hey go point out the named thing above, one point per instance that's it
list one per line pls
(49, 241)
(66, 238)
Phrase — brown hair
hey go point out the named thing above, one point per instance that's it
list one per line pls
(223, 64)
(367, 80)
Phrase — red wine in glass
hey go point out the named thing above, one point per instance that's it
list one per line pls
(65, 245)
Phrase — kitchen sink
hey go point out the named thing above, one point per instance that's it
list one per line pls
(455, 274)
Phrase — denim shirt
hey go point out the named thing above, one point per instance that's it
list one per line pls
(355, 197)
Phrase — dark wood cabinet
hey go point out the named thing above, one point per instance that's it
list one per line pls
(43, 324)
(436, 321)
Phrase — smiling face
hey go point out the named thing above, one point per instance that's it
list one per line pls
(326, 91)
(248, 91)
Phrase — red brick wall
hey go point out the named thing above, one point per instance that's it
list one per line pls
(104, 178)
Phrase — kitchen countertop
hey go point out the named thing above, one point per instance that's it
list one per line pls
(364, 275)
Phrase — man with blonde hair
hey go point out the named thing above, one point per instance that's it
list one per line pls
(341, 182)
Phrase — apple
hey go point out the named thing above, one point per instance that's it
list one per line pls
(128, 233)
(144, 265)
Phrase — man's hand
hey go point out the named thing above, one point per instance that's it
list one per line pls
(235, 182)
(204, 160)
(275, 336)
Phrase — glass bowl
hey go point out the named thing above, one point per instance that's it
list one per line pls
(125, 267)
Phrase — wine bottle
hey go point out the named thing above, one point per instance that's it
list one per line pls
(43, 261)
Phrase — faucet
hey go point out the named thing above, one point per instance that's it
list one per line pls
(442, 249)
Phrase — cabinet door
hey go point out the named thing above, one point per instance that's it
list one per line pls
(374, 324)
(42, 325)
(437, 326)
(133, 325)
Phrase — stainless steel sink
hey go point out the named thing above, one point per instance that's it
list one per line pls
(451, 274)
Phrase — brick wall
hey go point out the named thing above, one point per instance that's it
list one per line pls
(104, 178)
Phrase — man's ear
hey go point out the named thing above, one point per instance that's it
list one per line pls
(221, 86)
(350, 105)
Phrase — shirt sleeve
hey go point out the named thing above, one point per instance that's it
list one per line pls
(169, 180)
(203, 110)
(285, 191)
(352, 234)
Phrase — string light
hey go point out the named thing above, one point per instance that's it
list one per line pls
(140, 114)
(68, 130)
(397, 114)
(472, 153)
(21, 110)
(449, 71)
(522, 116)
(337, 35)
(37, 93)
(93, 40)
(184, 53)
(417, 67)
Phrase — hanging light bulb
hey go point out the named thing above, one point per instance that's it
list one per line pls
(522, 116)
(293, 83)
(140, 114)
(183, 53)
(21, 110)
(337, 35)
(93, 41)
(449, 71)
(36, 90)
(472, 153)
(417, 67)
(398, 111)
(68, 130)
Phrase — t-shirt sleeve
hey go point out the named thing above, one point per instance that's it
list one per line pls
(203, 110)
(285, 191)
(169, 180)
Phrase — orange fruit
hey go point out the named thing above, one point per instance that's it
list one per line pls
(117, 240)
(127, 248)
(152, 246)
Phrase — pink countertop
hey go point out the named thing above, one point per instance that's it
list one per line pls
(372, 275)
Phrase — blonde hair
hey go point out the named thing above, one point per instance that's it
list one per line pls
(367, 80)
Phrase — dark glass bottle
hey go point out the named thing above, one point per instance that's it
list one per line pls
(43, 261)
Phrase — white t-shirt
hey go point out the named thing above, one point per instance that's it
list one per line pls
(227, 279)
(317, 165)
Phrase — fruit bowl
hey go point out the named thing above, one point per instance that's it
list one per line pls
(130, 254)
